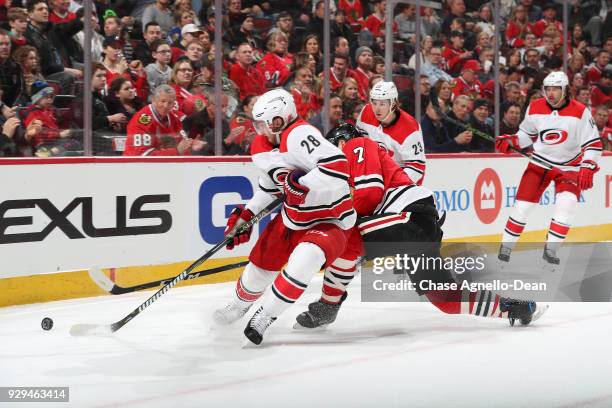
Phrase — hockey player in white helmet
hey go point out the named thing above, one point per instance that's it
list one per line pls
(563, 135)
(396, 129)
(315, 223)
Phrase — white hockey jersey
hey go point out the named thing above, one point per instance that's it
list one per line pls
(402, 138)
(303, 147)
(562, 138)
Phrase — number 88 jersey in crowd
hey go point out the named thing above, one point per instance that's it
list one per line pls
(150, 135)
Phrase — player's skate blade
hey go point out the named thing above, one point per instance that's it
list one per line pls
(525, 311)
(229, 314)
(258, 325)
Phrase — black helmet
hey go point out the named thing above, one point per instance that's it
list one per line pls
(344, 131)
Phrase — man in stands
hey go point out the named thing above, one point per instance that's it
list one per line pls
(247, 78)
(363, 72)
(60, 12)
(467, 83)
(152, 32)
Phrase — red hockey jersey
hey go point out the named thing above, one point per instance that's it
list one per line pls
(276, 70)
(149, 135)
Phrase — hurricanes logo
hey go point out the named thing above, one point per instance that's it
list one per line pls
(553, 136)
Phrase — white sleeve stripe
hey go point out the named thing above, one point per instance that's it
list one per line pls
(370, 185)
(368, 177)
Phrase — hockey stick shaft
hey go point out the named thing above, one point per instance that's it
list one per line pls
(434, 103)
(97, 329)
(105, 283)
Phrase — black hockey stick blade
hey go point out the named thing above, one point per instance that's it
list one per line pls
(106, 329)
(104, 282)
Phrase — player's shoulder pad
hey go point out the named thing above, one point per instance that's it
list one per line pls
(574, 108)
(539, 107)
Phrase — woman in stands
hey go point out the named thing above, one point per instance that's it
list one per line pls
(28, 59)
(122, 99)
(181, 79)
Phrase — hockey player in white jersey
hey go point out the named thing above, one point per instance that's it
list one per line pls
(397, 130)
(563, 135)
(315, 222)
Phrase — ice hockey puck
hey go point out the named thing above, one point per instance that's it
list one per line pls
(47, 323)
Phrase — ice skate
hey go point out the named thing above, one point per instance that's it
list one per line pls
(319, 315)
(526, 311)
(231, 313)
(550, 257)
(257, 326)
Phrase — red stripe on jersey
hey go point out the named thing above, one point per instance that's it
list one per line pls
(541, 107)
(337, 166)
(244, 294)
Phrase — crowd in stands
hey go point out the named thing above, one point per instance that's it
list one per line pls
(154, 69)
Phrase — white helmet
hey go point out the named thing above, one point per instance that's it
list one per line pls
(275, 103)
(384, 90)
(556, 78)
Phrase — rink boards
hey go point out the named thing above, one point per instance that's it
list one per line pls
(141, 219)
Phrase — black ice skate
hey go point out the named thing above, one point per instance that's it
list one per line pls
(258, 325)
(526, 311)
(550, 255)
(504, 253)
(319, 314)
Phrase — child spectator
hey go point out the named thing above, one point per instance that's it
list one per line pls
(18, 20)
(122, 99)
(158, 73)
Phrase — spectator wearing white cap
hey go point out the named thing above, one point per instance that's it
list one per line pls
(189, 32)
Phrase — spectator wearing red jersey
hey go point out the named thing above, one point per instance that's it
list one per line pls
(594, 71)
(305, 98)
(352, 10)
(518, 27)
(242, 128)
(454, 54)
(181, 79)
(60, 13)
(156, 130)
(276, 63)
(116, 65)
(247, 78)
(467, 83)
(363, 72)
(375, 22)
(549, 14)
(338, 71)
(601, 93)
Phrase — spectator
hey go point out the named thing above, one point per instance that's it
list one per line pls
(375, 22)
(189, 33)
(194, 51)
(316, 21)
(577, 83)
(454, 54)
(479, 120)
(436, 136)
(534, 12)
(284, 23)
(363, 72)
(181, 79)
(484, 21)
(156, 130)
(311, 46)
(242, 128)
(152, 32)
(378, 64)
(349, 91)
(337, 72)
(460, 111)
(161, 13)
(158, 73)
(549, 14)
(276, 63)
(426, 46)
(432, 24)
(575, 65)
(486, 60)
(483, 41)
(583, 95)
(406, 22)
(60, 12)
(11, 77)
(8, 145)
(456, 10)
(245, 34)
(335, 114)
(601, 92)
(185, 5)
(445, 94)
(352, 9)
(593, 73)
(122, 99)
(511, 118)
(112, 26)
(97, 39)
(407, 97)
(467, 83)
(27, 58)
(114, 62)
(102, 118)
(306, 101)
(248, 79)
(512, 92)
(18, 21)
(303, 60)
(341, 46)
(181, 19)
(513, 59)
(45, 37)
(340, 28)
(201, 125)
(518, 27)
(47, 138)
(433, 66)
(531, 58)
(602, 113)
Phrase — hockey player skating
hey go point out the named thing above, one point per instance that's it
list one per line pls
(316, 218)
(563, 135)
(398, 131)
(395, 215)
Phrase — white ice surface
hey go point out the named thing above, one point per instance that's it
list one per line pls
(375, 355)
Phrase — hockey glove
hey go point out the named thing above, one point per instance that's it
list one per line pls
(585, 176)
(505, 143)
(238, 216)
(295, 193)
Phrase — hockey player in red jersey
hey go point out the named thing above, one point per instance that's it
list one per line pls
(393, 212)
(399, 132)
(156, 129)
(316, 218)
(564, 136)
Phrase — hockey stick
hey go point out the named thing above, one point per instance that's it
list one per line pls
(111, 287)
(433, 97)
(106, 329)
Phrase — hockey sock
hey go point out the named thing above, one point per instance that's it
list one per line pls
(516, 222)
(252, 284)
(337, 277)
(480, 303)
(305, 261)
(562, 219)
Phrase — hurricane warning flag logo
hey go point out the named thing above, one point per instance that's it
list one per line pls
(487, 196)
(553, 136)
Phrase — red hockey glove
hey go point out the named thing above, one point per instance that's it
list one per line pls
(238, 216)
(295, 193)
(504, 143)
(585, 176)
